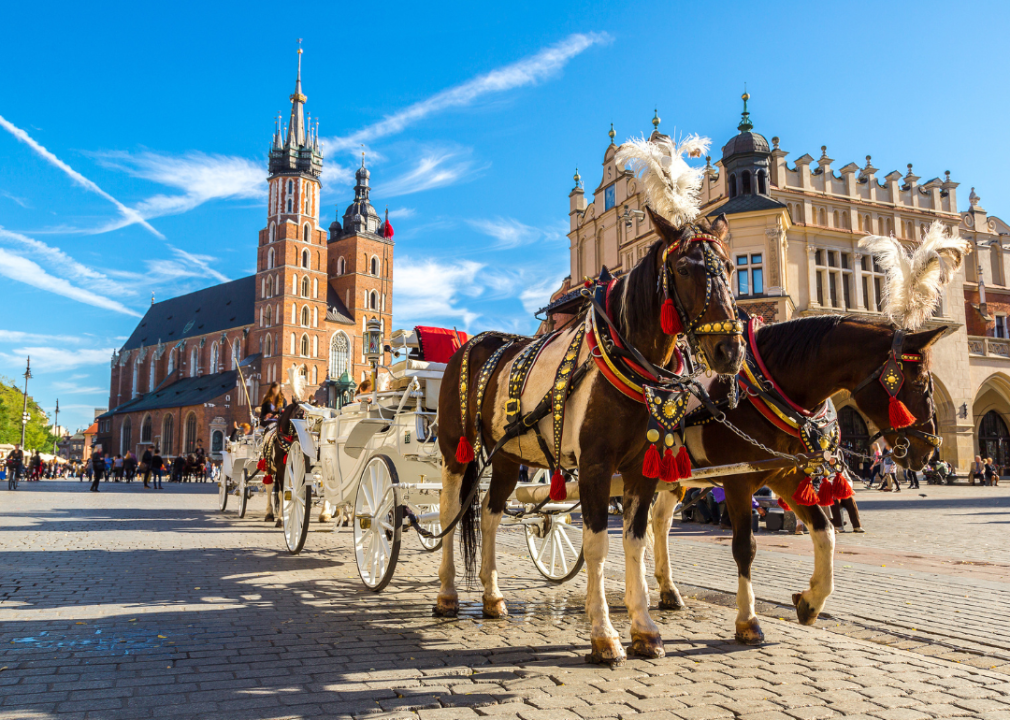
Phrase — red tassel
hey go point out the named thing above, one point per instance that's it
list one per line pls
(668, 467)
(464, 451)
(826, 495)
(268, 479)
(262, 464)
(805, 494)
(683, 463)
(899, 415)
(652, 465)
(843, 490)
(558, 490)
(669, 319)
(284, 460)
(784, 505)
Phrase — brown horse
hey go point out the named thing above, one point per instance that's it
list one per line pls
(604, 431)
(810, 359)
(274, 452)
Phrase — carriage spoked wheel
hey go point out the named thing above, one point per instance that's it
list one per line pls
(555, 547)
(430, 544)
(297, 497)
(222, 492)
(243, 493)
(378, 520)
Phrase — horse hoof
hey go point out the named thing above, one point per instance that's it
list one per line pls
(495, 608)
(647, 645)
(607, 651)
(805, 612)
(671, 600)
(268, 518)
(325, 518)
(446, 607)
(749, 632)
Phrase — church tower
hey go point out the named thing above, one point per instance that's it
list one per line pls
(291, 278)
(361, 267)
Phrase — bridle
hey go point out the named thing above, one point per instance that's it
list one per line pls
(714, 273)
(892, 377)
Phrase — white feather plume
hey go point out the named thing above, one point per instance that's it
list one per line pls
(297, 383)
(915, 280)
(672, 186)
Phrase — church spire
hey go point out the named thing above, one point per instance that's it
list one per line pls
(296, 128)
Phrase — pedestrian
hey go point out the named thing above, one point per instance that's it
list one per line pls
(178, 468)
(889, 481)
(990, 471)
(98, 464)
(117, 467)
(130, 466)
(156, 467)
(273, 403)
(15, 462)
(145, 466)
(913, 478)
(977, 471)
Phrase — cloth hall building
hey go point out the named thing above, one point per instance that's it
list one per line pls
(794, 234)
(175, 383)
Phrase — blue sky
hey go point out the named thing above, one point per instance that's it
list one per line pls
(133, 137)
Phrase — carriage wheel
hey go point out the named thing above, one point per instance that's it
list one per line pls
(378, 518)
(243, 493)
(222, 493)
(556, 547)
(430, 544)
(297, 497)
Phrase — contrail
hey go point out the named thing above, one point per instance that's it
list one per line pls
(27, 139)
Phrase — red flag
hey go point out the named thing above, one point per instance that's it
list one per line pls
(387, 229)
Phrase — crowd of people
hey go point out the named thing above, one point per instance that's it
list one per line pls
(35, 467)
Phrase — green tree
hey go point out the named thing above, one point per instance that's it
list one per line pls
(38, 434)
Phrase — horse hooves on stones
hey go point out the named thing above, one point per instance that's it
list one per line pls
(495, 608)
(805, 612)
(325, 518)
(749, 632)
(446, 607)
(671, 600)
(647, 645)
(607, 651)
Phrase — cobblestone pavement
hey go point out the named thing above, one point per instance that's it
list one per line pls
(134, 603)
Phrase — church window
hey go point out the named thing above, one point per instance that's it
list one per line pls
(745, 183)
(294, 285)
(136, 370)
(273, 236)
(315, 375)
(315, 346)
(305, 316)
(375, 265)
(194, 362)
(151, 375)
(732, 185)
(373, 300)
(266, 347)
(305, 286)
(236, 354)
(305, 231)
(305, 255)
(315, 288)
(145, 429)
(190, 433)
(291, 187)
(762, 182)
(126, 438)
(341, 266)
(307, 212)
(263, 287)
(340, 353)
(289, 205)
(171, 361)
(213, 357)
(305, 346)
(268, 319)
(270, 259)
(167, 434)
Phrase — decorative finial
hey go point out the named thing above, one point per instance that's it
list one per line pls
(152, 297)
(578, 178)
(612, 134)
(745, 124)
(775, 142)
(655, 119)
(947, 174)
(973, 199)
(362, 155)
(824, 151)
(868, 163)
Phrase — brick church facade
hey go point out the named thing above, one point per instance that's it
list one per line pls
(175, 383)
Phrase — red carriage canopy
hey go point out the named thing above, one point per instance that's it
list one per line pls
(438, 344)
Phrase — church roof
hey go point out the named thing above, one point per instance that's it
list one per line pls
(214, 309)
(188, 391)
(336, 311)
(747, 203)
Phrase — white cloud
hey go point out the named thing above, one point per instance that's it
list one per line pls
(430, 291)
(402, 213)
(19, 200)
(56, 359)
(528, 71)
(26, 271)
(71, 388)
(132, 216)
(533, 297)
(509, 233)
(435, 168)
(17, 336)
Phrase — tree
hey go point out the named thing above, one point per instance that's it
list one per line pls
(38, 434)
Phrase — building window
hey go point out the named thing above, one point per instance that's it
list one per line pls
(750, 274)
(1001, 327)
(305, 256)
(126, 436)
(145, 429)
(305, 346)
(266, 347)
(732, 186)
(833, 270)
(609, 197)
(151, 375)
(217, 441)
(273, 234)
(341, 266)
(268, 317)
(375, 265)
(745, 183)
(270, 259)
(315, 375)
(305, 286)
(762, 183)
(305, 316)
(213, 357)
(993, 438)
(854, 434)
(136, 382)
(194, 362)
(340, 353)
(373, 300)
(236, 354)
(873, 283)
(171, 362)
(190, 436)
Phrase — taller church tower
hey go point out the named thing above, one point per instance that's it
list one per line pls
(291, 278)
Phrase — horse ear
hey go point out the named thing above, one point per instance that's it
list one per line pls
(923, 339)
(720, 226)
(664, 227)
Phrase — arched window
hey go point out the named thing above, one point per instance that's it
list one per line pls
(189, 438)
(375, 265)
(373, 300)
(267, 346)
(126, 433)
(167, 434)
(315, 375)
(822, 218)
(305, 286)
(340, 353)
(213, 357)
(268, 319)
(745, 182)
(835, 218)
(273, 233)
(993, 438)
(289, 204)
(305, 346)
(151, 375)
(305, 315)
(270, 259)
(341, 266)
(305, 255)
(236, 354)
(171, 362)
(854, 434)
(217, 441)
(294, 284)
(145, 429)
(194, 362)
(732, 185)
(308, 206)
(136, 381)
(315, 346)
(315, 288)
(305, 230)
(762, 182)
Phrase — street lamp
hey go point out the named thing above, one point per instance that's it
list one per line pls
(25, 417)
(373, 350)
(56, 428)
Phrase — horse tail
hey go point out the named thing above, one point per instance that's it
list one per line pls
(469, 524)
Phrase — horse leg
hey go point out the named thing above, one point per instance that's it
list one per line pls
(447, 603)
(810, 602)
(594, 490)
(662, 520)
(504, 477)
(645, 638)
(738, 505)
(325, 512)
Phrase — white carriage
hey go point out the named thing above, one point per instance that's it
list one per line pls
(238, 469)
(379, 456)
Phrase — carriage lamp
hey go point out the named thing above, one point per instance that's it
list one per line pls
(373, 341)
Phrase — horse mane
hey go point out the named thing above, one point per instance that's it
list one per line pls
(788, 346)
(639, 297)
